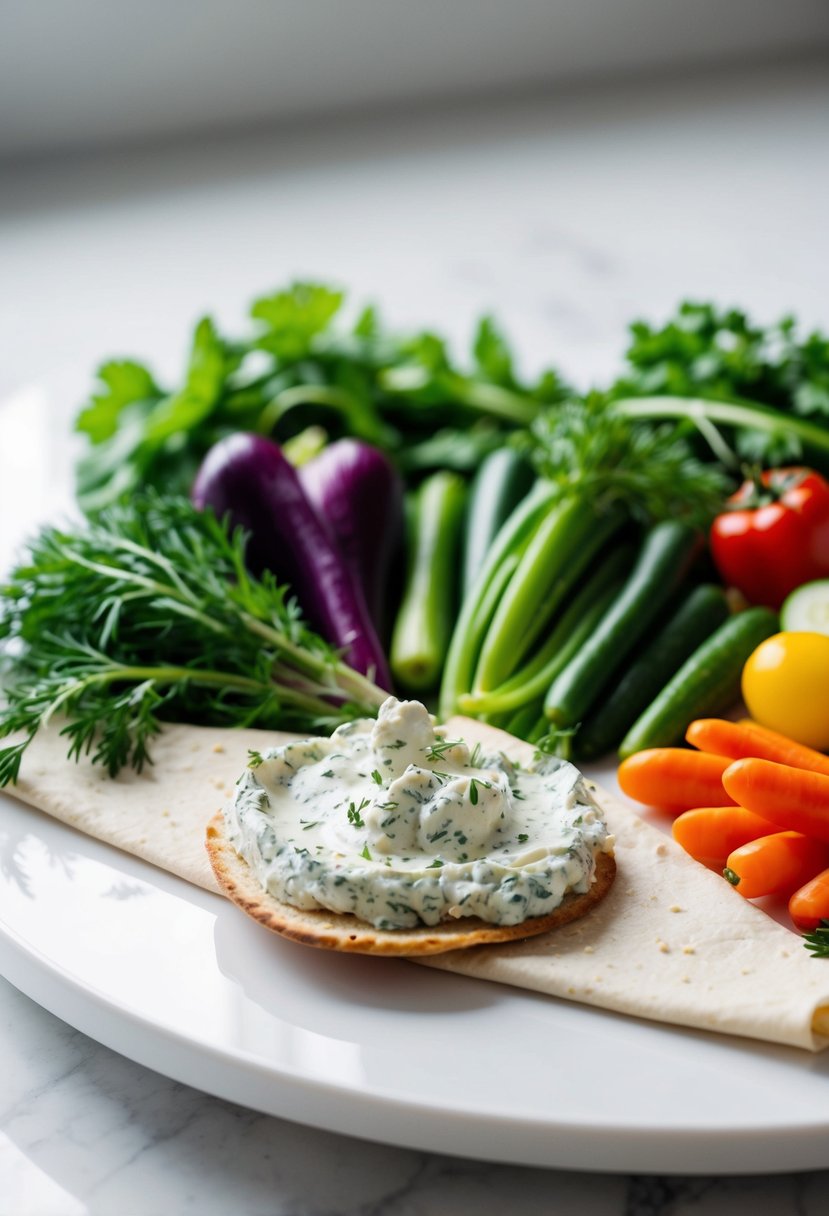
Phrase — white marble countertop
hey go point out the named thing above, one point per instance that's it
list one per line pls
(568, 216)
(83, 1130)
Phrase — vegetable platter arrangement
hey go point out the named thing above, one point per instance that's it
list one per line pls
(324, 511)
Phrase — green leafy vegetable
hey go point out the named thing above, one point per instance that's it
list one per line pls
(718, 354)
(710, 352)
(293, 318)
(302, 366)
(148, 613)
(139, 433)
(818, 940)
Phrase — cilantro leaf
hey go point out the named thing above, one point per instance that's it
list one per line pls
(294, 317)
(492, 354)
(121, 383)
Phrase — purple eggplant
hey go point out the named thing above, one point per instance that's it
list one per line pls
(247, 478)
(358, 494)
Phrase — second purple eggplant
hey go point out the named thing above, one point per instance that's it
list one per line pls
(358, 494)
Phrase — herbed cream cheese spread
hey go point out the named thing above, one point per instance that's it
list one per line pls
(395, 823)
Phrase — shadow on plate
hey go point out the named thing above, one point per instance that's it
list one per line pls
(254, 958)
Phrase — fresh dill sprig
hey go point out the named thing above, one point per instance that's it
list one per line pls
(438, 749)
(147, 613)
(589, 448)
(818, 940)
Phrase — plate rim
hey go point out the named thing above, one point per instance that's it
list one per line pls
(337, 1106)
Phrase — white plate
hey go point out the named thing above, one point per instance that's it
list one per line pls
(180, 981)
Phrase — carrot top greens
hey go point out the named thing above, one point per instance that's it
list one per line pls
(145, 613)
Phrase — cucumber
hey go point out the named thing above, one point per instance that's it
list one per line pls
(666, 555)
(529, 723)
(522, 723)
(700, 612)
(424, 619)
(707, 684)
(502, 481)
(806, 610)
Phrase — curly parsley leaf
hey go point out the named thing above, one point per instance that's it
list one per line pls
(720, 355)
(121, 384)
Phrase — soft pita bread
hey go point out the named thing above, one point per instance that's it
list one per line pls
(671, 941)
(332, 931)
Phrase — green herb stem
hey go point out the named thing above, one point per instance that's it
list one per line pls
(745, 415)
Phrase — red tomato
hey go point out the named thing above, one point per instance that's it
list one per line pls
(774, 536)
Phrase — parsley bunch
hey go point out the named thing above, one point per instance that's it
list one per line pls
(148, 613)
(713, 354)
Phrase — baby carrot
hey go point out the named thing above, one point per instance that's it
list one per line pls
(749, 739)
(791, 797)
(810, 904)
(776, 865)
(674, 778)
(710, 833)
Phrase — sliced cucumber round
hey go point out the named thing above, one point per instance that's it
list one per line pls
(807, 609)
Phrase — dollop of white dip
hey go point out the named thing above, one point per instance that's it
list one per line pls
(399, 825)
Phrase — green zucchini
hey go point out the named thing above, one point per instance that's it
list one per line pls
(501, 482)
(523, 723)
(707, 684)
(424, 619)
(700, 612)
(666, 555)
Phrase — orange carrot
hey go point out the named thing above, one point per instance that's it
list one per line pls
(674, 778)
(791, 797)
(748, 739)
(776, 865)
(810, 904)
(710, 833)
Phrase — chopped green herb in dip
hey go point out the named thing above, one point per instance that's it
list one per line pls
(436, 837)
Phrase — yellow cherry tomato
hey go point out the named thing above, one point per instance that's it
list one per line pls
(786, 686)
